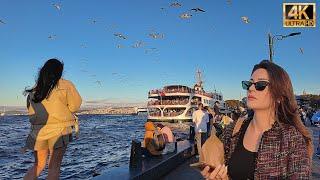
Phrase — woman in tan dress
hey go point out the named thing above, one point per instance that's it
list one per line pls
(51, 104)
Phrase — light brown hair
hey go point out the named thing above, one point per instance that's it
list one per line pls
(286, 108)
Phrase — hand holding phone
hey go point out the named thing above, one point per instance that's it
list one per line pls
(201, 165)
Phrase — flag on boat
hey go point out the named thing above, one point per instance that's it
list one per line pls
(161, 93)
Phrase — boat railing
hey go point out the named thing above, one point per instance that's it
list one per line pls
(162, 91)
(204, 93)
(181, 90)
(168, 102)
(155, 114)
(172, 113)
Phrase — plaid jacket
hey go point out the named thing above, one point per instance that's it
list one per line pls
(282, 152)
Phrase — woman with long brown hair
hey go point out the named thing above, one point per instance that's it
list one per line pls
(272, 143)
(51, 104)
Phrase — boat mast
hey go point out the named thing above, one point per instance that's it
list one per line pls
(199, 83)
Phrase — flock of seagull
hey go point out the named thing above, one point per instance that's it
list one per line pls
(138, 44)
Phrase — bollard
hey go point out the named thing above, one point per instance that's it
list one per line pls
(175, 146)
(191, 133)
(136, 154)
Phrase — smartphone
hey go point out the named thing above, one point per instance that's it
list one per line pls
(201, 165)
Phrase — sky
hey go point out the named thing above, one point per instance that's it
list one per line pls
(106, 68)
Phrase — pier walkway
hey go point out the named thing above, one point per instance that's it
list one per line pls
(176, 166)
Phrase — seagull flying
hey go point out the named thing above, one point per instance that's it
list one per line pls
(176, 5)
(120, 35)
(2, 22)
(197, 10)
(98, 82)
(185, 16)
(151, 50)
(57, 6)
(301, 50)
(245, 19)
(83, 45)
(52, 37)
(119, 46)
(138, 44)
(156, 35)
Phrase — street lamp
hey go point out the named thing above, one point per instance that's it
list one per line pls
(278, 37)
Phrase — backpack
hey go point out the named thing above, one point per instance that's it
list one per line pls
(158, 141)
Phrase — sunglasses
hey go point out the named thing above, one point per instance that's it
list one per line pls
(259, 85)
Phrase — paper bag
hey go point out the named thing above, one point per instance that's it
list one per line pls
(212, 151)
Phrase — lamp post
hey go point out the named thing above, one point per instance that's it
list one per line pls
(278, 37)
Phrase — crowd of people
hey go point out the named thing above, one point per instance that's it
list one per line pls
(195, 101)
(179, 90)
(172, 90)
(205, 119)
(172, 112)
(177, 101)
(158, 139)
(155, 113)
(306, 114)
(167, 113)
(267, 141)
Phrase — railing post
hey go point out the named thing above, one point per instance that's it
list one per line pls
(191, 133)
(136, 154)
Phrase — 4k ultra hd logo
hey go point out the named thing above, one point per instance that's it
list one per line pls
(299, 14)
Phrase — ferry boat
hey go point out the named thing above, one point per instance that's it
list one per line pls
(176, 103)
(3, 112)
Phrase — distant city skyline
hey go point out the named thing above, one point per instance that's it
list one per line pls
(116, 51)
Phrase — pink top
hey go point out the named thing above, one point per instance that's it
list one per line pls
(168, 134)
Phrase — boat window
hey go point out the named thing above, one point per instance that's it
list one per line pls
(154, 112)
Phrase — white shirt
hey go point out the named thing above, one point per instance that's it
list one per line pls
(200, 119)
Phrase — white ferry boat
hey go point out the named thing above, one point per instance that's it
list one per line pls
(176, 103)
(3, 112)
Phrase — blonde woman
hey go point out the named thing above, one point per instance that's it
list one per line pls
(51, 104)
